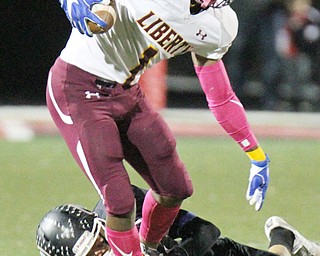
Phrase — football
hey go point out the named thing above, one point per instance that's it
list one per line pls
(106, 13)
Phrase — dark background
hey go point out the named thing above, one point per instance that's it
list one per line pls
(32, 35)
(34, 32)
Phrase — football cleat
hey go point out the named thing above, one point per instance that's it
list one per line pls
(301, 245)
(146, 251)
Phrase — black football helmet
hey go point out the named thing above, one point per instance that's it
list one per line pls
(68, 230)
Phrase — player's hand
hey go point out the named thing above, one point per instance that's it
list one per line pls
(79, 12)
(258, 183)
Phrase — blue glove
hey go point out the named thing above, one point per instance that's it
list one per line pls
(79, 12)
(258, 183)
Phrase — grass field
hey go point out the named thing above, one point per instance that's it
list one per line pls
(38, 175)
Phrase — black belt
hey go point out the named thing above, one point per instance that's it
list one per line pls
(111, 84)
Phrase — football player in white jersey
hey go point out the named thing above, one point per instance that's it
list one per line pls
(95, 100)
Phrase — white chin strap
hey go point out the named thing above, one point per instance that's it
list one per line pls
(87, 239)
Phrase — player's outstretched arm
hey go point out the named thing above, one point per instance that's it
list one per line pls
(79, 13)
(231, 115)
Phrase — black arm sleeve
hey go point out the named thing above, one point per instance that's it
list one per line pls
(197, 234)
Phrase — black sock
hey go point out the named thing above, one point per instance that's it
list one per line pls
(283, 237)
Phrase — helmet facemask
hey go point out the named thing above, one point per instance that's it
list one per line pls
(87, 239)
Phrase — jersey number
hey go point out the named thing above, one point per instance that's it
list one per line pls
(143, 61)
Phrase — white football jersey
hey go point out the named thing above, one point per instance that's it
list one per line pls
(147, 31)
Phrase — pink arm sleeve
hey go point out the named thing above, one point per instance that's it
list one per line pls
(225, 105)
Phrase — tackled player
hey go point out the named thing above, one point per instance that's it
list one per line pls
(189, 235)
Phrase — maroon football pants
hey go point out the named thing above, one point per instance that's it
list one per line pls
(103, 126)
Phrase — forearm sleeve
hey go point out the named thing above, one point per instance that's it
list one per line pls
(225, 105)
